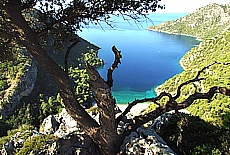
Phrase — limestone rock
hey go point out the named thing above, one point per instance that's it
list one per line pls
(78, 144)
(144, 141)
(60, 125)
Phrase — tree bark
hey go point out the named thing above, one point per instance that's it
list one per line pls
(106, 108)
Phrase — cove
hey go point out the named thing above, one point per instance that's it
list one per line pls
(149, 57)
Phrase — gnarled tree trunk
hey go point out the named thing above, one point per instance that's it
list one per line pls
(104, 138)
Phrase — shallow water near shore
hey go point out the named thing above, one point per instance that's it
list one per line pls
(149, 57)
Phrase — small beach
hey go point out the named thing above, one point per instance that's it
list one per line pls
(136, 109)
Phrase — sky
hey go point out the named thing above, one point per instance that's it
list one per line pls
(187, 6)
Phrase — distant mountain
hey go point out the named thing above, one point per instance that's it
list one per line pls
(205, 22)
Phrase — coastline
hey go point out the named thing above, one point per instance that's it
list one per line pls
(156, 90)
(197, 38)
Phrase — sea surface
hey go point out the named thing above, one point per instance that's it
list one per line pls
(148, 57)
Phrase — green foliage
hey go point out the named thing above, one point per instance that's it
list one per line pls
(93, 110)
(208, 132)
(49, 105)
(35, 143)
(82, 88)
(8, 51)
(34, 113)
(198, 136)
(91, 58)
(26, 114)
(4, 127)
(150, 108)
(209, 51)
(12, 132)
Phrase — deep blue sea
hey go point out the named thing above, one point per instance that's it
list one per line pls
(149, 57)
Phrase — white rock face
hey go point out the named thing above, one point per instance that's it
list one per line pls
(61, 125)
(145, 141)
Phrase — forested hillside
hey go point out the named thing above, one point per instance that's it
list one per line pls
(204, 23)
(215, 54)
(211, 61)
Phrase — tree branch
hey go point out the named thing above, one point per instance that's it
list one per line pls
(28, 38)
(171, 103)
(117, 60)
(76, 41)
(140, 120)
(195, 79)
(154, 99)
(106, 107)
(212, 91)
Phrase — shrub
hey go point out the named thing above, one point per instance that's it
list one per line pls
(198, 136)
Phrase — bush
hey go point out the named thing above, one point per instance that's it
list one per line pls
(35, 143)
(198, 136)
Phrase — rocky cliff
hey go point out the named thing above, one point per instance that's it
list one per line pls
(20, 87)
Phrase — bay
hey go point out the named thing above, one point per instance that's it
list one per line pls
(149, 57)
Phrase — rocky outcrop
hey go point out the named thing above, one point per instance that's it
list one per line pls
(145, 141)
(72, 140)
(16, 142)
(61, 125)
(18, 89)
(71, 145)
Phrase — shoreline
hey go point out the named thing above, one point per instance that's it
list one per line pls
(180, 61)
(138, 108)
(160, 31)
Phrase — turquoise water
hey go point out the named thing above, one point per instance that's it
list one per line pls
(149, 58)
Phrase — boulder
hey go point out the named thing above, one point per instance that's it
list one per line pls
(145, 141)
(61, 125)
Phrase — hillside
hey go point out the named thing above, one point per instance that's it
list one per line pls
(209, 114)
(205, 22)
(208, 52)
(211, 24)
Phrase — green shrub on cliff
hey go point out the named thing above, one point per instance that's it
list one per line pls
(12, 132)
(210, 24)
(12, 70)
(82, 88)
(35, 143)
